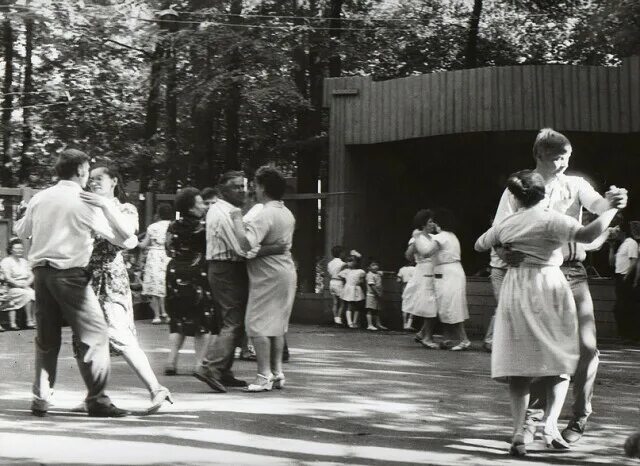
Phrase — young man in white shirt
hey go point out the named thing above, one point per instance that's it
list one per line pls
(624, 260)
(61, 222)
(568, 195)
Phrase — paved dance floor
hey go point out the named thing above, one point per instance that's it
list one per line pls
(352, 397)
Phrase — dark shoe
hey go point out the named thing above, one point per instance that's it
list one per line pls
(38, 412)
(247, 356)
(233, 382)
(170, 371)
(39, 407)
(285, 357)
(107, 411)
(215, 384)
(573, 432)
(518, 449)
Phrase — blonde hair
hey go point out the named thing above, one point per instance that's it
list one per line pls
(549, 140)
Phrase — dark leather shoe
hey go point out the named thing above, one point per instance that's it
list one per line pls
(215, 384)
(573, 432)
(233, 382)
(38, 412)
(107, 411)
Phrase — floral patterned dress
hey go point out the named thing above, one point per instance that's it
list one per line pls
(155, 267)
(110, 282)
(188, 300)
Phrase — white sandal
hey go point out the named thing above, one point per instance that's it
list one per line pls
(265, 385)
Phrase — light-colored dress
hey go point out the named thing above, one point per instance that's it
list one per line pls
(273, 278)
(17, 270)
(419, 295)
(336, 284)
(374, 291)
(110, 283)
(450, 280)
(536, 325)
(155, 267)
(353, 281)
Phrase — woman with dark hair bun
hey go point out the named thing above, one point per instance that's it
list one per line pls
(536, 328)
(450, 282)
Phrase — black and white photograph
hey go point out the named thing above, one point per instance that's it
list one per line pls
(320, 232)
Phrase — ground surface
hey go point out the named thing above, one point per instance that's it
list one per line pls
(352, 397)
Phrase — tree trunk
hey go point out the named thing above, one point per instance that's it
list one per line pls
(6, 178)
(173, 162)
(232, 106)
(26, 163)
(471, 50)
(151, 119)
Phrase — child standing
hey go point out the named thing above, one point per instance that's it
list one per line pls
(336, 284)
(352, 293)
(374, 293)
(404, 275)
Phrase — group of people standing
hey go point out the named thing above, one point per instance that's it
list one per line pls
(79, 276)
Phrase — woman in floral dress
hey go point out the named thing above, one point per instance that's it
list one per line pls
(155, 267)
(110, 280)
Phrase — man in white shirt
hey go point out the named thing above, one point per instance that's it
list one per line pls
(229, 281)
(61, 225)
(568, 195)
(624, 260)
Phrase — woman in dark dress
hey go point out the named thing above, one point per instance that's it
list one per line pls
(188, 300)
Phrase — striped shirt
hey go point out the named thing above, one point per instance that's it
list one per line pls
(222, 244)
(564, 194)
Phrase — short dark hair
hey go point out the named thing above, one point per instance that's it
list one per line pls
(68, 163)
(165, 211)
(549, 140)
(445, 219)
(272, 180)
(527, 186)
(337, 250)
(113, 172)
(208, 193)
(229, 175)
(12, 243)
(356, 260)
(421, 218)
(186, 199)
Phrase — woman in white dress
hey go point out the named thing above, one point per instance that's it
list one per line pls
(154, 282)
(419, 296)
(536, 324)
(16, 278)
(450, 282)
(272, 278)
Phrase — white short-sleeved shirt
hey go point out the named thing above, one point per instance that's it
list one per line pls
(628, 250)
(538, 232)
(334, 267)
(564, 194)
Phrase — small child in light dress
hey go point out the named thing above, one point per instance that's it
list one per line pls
(374, 293)
(352, 293)
(334, 267)
(404, 275)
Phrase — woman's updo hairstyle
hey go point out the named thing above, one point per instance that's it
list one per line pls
(272, 180)
(527, 186)
(421, 218)
(186, 199)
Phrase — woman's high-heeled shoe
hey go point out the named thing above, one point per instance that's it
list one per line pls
(265, 384)
(158, 398)
(554, 440)
(429, 344)
(518, 447)
(278, 380)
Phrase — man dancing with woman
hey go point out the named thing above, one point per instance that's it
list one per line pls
(536, 331)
